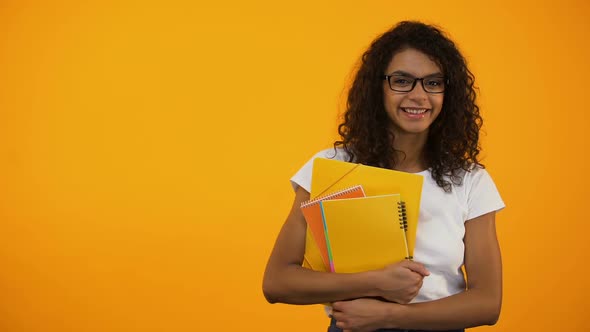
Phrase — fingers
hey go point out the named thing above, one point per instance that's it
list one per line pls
(416, 267)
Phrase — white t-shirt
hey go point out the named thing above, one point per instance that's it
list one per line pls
(441, 223)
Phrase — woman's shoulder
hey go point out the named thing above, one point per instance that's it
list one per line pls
(477, 179)
(462, 177)
(303, 176)
(481, 192)
(337, 153)
(475, 172)
(464, 181)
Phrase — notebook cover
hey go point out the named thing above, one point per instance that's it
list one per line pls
(329, 175)
(364, 233)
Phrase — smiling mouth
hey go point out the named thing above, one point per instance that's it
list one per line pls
(416, 111)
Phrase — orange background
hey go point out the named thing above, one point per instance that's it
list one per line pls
(146, 149)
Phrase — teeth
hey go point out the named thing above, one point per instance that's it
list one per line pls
(414, 111)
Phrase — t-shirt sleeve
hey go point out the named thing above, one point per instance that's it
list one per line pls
(483, 196)
(303, 176)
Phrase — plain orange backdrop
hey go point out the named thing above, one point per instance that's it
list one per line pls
(146, 148)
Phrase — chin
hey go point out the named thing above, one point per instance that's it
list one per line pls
(412, 130)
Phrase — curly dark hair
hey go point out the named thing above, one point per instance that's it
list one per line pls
(452, 146)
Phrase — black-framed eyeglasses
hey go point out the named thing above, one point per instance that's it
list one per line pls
(403, 83)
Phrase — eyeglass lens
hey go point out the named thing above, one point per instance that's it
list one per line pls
(406, 84)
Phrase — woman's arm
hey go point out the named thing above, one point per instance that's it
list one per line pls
(479, 305)
(287, 282)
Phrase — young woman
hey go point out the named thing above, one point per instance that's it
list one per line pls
(412, 108)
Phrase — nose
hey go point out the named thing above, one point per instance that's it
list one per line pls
(418, 92)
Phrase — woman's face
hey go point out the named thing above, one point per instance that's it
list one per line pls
(412, 112)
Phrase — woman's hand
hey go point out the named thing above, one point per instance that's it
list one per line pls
(363, 315)
(400, 282)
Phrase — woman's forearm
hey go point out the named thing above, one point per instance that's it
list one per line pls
(471, 308)
(297, 285)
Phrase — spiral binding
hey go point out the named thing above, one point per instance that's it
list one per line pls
(403, 218)
(331, 196)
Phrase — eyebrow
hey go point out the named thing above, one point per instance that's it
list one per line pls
(403, 73)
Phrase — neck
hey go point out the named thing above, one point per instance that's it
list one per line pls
(409, 153)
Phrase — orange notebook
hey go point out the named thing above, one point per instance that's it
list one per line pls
(315, 225)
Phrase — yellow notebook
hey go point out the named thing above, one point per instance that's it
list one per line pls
(329, 175)
(313, 216)
(365, 233)
(313, 256)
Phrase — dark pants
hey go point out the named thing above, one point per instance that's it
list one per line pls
(333, 328)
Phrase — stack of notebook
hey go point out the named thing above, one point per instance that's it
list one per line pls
(360, 217)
